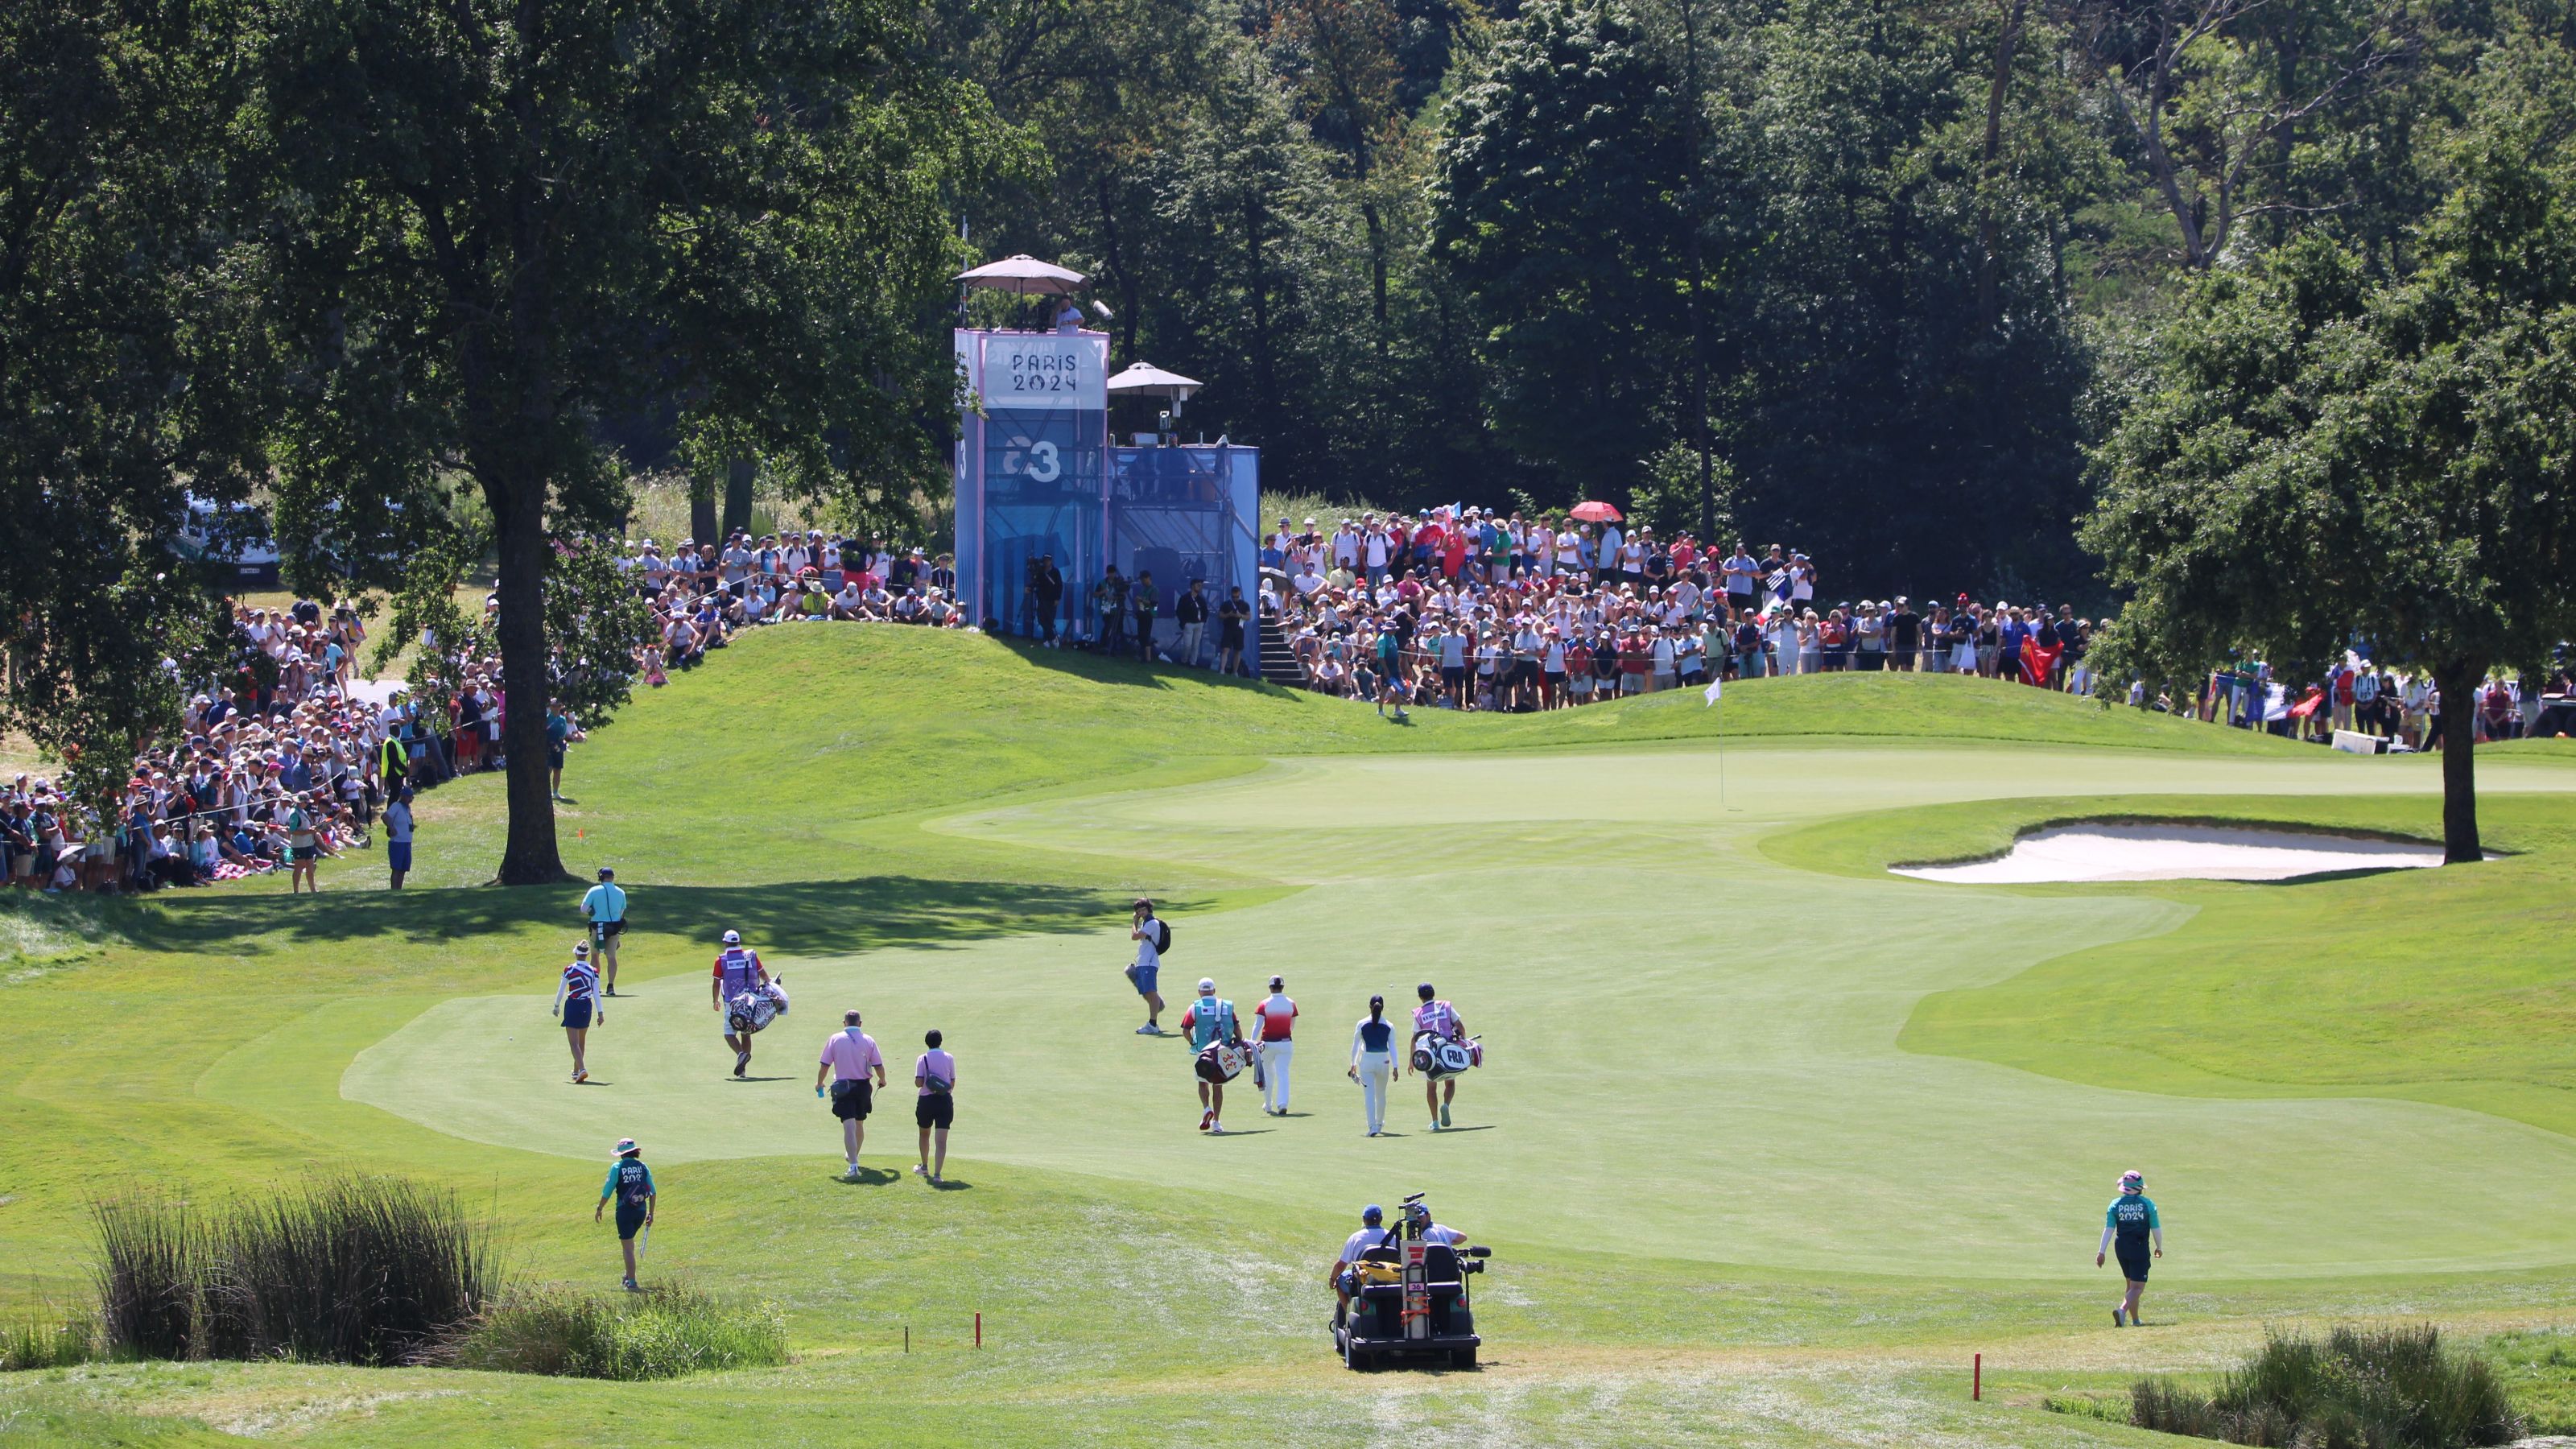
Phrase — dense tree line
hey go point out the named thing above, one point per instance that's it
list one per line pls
(1886, 259)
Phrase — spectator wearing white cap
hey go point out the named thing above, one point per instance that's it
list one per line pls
(1275, 1019)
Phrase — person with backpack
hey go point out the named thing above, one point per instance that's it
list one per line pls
(630, 1182)
(1152, 938)
(934, 1109)
(1208, 1022)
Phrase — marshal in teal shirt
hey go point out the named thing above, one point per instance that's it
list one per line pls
(2132, 1215)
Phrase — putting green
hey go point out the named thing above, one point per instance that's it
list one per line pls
(1692, 1047)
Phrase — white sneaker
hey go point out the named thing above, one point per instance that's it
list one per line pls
(852, 1175)
(1216, 1129)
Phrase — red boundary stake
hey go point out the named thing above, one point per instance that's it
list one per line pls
(1977, 1377)
(979, 1330)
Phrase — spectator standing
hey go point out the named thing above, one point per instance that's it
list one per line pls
(604, 907)
(560, 731)
(398, 828)
(1145, 973)
(1146, 601)
(1109, 607)
(1276, 1020)
(1233, 616)
(934, 1109)
(1190, 615)
(849, 1057)
(1046, 585)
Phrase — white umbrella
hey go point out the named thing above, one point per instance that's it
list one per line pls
(1144, 379)
(1023, 276)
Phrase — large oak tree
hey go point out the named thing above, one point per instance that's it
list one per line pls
(496, 222)
(2328, 456)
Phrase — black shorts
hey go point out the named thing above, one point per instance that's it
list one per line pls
(934, 1109)
(2133, 1259)
(602, 930)
(630, 1220)
(1453, 674)
(853, 1099)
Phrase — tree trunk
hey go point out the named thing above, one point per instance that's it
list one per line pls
(737, 496)
(1990, 226)
(2458, 682)
(528, 857)
(702, 507)
(1692, 209)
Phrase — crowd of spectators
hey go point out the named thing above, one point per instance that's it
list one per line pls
(1481, 610)
(2360, 697)
(702, 594)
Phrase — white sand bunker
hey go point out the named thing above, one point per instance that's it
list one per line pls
(2178, 852)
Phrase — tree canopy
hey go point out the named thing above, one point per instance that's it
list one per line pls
(2329, 457)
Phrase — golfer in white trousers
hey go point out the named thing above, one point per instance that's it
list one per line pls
(1373, 1063)
(1277, 1019)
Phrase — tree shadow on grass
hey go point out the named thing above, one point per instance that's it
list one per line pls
(1128, 670)
(807, 918)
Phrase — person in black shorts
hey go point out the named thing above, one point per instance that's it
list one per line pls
(630, 1182)
(2127, 1228)
(934, 1109)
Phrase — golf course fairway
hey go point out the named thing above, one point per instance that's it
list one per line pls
(1768, 1141)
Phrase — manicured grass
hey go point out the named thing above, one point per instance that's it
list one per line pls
(1733, 1201)
(2449, 986)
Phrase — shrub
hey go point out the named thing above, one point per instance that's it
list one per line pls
(47, 1343)
(2393, 1388)
(362, 1270)
(659, 1333)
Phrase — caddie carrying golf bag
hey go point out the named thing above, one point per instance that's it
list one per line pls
(756, 1008)
(1436, 1057)
(1223, 1061)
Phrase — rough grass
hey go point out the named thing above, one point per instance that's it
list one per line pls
(2357, 1388)
(357, 1270)
(42, 1343)
(660, 1333)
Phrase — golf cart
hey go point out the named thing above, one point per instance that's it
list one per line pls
(1409, 1301)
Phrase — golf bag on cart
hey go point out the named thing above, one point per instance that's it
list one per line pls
(752, 1010)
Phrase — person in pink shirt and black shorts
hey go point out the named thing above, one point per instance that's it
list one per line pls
(848, 1060)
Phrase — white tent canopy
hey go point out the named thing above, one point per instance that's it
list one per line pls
(1144, 379)
(1023, 275)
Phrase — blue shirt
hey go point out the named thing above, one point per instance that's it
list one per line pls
(1209, 1021)
(629, 1181)
(604, 902)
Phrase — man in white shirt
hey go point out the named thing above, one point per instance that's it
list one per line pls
(1307, 581)
(1376, 550)
(1275, 1020)
(1346, 547)
(1605, 556)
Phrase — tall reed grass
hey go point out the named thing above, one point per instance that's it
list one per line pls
(2392, 1388)
(359, 1270)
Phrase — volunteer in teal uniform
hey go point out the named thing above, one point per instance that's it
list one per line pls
(2126, 1229)
(631, 1183)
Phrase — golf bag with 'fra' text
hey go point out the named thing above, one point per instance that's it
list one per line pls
(1437, 1056)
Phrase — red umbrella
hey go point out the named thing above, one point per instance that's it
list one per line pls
(1596, 511)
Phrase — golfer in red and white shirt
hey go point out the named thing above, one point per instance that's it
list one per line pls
(1277, 1018)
